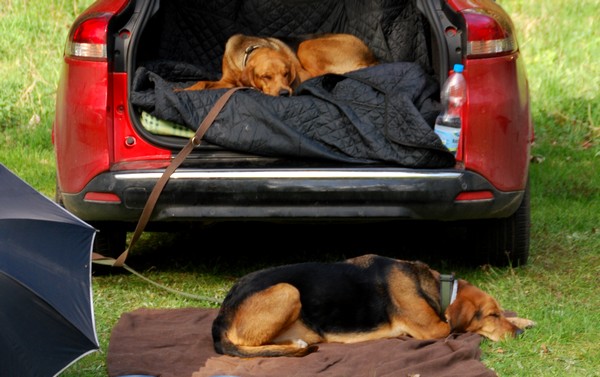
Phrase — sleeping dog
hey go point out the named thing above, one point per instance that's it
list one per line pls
(272, 66)
(286, 310)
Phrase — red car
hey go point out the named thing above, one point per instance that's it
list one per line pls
(359, 146)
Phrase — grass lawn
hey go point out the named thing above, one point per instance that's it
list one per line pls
(559, 288)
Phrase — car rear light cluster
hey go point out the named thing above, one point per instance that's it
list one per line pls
(87, 38)
(489, 32)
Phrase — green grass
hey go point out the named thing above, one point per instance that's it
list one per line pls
(32, 37)
(558, 288)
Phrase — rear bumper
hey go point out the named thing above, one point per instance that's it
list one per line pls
(293, 194)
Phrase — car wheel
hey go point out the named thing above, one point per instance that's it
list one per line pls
(504, 242)
(110, 240)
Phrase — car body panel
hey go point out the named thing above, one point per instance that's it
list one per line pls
(128, 144)
(82, 123)
(498, 130)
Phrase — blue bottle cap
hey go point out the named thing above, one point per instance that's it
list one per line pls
(459, 68)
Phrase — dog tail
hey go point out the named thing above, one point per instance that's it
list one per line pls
(224, 346)
(270, 350)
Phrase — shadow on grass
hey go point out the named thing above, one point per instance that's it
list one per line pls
(242, 247)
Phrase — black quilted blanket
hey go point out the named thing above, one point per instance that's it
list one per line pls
(381, 114)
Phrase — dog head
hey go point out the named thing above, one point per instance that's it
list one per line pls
(476, 311)
(270, 71)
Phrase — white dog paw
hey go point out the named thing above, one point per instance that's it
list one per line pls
(300, 343)
(522, 323)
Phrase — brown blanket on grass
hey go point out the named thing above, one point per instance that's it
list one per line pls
(178, 343)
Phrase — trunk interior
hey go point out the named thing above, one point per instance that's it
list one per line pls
(178, 42)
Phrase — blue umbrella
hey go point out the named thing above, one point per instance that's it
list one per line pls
(46, 311)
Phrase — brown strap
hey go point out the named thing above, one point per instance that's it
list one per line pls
(160, 184)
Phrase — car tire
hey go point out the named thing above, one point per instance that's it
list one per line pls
(504, 242)
(110, 239)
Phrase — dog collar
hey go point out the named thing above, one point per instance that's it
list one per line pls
(448, 291)
(247, 53)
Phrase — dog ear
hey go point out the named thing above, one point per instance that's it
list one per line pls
(460, 314)
(294, 78)
(247, 76)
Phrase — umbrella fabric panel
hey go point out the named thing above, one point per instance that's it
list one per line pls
(29, 340)
(18, 200)
(40, 255)
(46, 312)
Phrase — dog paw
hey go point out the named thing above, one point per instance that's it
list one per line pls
(522, 323)
(200, 85)
(304, 348)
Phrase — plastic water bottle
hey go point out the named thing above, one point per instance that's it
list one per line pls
(453, 96)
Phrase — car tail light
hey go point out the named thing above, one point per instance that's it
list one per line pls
(489, 32)
(87, 38)
(101, 197)
(473, 196)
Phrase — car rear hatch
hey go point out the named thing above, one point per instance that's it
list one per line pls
(154, 35)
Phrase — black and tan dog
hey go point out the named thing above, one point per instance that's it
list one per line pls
(285, 311)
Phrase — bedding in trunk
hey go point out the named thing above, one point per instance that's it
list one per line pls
(381, 114)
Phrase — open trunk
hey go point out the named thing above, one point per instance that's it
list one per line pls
(379, 115)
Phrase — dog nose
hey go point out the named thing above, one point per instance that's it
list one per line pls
(285, 92)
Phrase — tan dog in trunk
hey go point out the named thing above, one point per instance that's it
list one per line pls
(271, 66)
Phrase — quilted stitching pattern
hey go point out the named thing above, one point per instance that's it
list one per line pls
(196, 31)
(372, 115)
